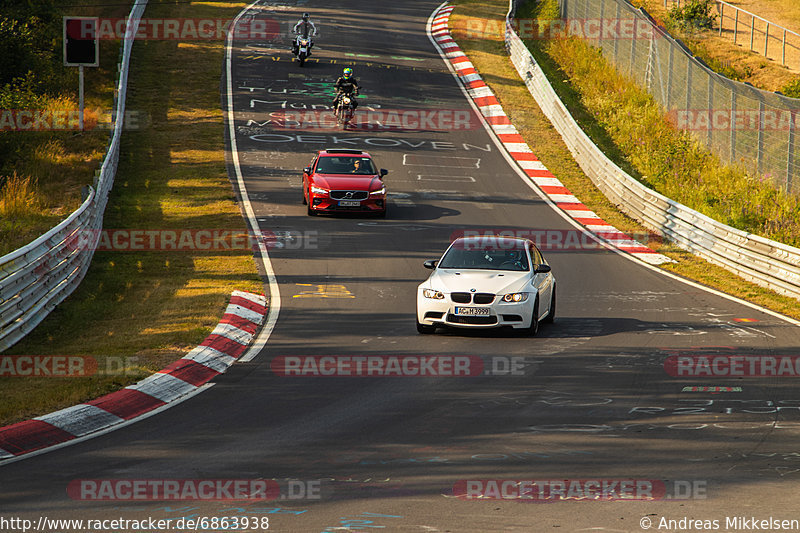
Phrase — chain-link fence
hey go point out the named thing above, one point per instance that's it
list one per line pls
(741, 124)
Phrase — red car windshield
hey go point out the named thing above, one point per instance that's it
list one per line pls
(345, 165)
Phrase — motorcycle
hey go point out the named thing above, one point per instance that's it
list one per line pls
(302, 48)
(345, 109)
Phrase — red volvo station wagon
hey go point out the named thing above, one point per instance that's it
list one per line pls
(344, 181)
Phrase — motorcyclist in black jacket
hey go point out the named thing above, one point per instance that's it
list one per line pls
(302, 29)
(347, 84)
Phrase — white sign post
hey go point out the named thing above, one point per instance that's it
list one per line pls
(81, 49)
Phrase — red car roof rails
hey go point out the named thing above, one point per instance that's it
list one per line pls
(342, 151)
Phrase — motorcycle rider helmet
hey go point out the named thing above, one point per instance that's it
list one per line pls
(347, 73)
(305, 16)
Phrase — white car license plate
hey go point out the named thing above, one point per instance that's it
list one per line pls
(472, 311)
(349, 203)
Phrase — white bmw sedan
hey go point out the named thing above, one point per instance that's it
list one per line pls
(487, 282)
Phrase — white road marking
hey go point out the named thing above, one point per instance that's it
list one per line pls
(402, 202)
(441, 161)
(274, 291)
(436, 177)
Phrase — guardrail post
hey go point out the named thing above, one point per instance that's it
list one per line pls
(752, 30)
(735, 24)
(766, 40)
(721, 10)
(783, 48)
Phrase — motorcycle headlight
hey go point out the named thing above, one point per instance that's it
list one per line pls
(515, 297)
(430, 293)
(379, 192)
(304, 42)
(319, 190)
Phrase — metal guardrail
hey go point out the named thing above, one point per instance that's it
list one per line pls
(765, 262)
(34, 279)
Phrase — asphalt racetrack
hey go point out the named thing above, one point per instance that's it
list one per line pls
(590, 399)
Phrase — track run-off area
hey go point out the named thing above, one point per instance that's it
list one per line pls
(596, 403)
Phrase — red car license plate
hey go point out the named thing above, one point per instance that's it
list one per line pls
(349, 203)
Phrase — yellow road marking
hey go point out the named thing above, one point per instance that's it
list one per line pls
(324, 291)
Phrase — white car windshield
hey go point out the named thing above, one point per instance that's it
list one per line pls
(485, 259)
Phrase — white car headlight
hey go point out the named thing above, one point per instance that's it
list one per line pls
(430, 293)
(319, 190)
(515, 297)
(380, 191)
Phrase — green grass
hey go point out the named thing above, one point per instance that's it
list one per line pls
(151, 306)
(487, 53)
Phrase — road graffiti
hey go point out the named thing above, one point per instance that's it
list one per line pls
(361, 522)
(549, 398)
(754, 462)
(383, 142)
(373, 56)
(692, 426)
(467, 459)
(188, 511)
(728, 406)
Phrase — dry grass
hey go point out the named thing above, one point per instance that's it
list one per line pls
(18, 197)
(736, 61)
(783, 12)
(59, 162)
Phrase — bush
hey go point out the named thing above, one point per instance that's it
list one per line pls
(694, 14)
(792, 89)
(30, 38)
